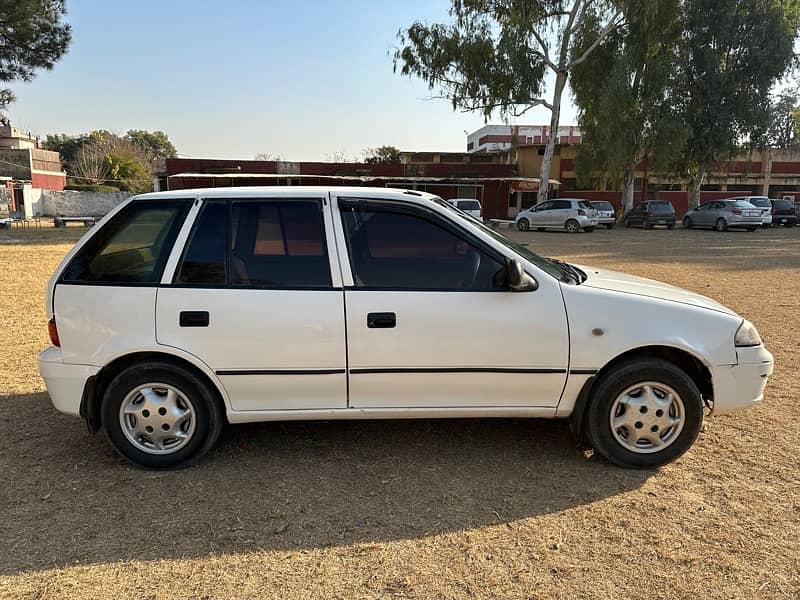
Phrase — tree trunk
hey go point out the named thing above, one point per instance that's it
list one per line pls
(627, 191)
(694, 188)
(547, 159)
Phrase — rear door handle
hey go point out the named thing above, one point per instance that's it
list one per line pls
(384, 320)
(193, 318)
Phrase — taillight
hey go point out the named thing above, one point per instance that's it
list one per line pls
(581, 212)
(53, 331)
(736, 211)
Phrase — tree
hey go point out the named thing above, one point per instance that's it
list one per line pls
(782, 128)
(382, 155)
(497, 53)
(267, 156)
(625, 92)
(89, 165)
(155, 144)
(32, 36)
(66, 145)
(733, 52)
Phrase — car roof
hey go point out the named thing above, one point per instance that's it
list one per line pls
(294, 191)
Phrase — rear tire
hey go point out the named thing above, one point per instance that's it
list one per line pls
(161, 416)
(572, 226)
(687, 223)
(644, 397)
(524, 225)
(721, 225)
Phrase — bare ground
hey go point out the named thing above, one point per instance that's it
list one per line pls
(429, 509)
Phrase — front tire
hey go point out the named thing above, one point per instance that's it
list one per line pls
(644, 413)
(572, 226)
(524, 225)
(160, 416)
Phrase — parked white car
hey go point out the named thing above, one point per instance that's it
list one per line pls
(469, 205)
(181, 311)
(761, 202)
(563, 213)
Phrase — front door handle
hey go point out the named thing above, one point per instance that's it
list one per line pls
(193, 318)
(384, 320)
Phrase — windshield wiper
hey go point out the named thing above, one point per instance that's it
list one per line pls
(574, 272)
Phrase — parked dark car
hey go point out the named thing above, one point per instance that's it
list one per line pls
(783, 213)
(651, 213)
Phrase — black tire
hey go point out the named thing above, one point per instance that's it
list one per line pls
(208, 414)
(721, 225)
(613, 383)
(588, 229)
(524, 225)
(687, 222)
(572, 226)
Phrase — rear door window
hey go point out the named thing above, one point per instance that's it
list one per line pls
(204, 260)
(278, 244)
(132, 247)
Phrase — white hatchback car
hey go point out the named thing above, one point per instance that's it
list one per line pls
(181, 311)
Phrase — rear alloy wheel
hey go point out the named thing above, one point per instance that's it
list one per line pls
(721, 225)
(687, 223)
(644, 413)
(524, 225)
(572, 226)
(160, 416)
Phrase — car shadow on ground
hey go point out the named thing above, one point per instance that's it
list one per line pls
(68, 499)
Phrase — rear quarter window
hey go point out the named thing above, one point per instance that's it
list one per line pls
(132, 247)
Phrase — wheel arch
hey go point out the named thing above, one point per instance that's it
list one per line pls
(96, 386)
(690, 363)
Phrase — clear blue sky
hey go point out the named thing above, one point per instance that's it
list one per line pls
(301, 79)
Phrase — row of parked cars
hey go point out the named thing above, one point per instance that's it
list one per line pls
(742, 212)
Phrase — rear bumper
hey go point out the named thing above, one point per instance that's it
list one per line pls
(606, 220)
(745, 222)
(586, 221)
(742, 385)
(784, 220)
(65, 383)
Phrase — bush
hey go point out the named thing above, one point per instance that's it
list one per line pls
(90, 187)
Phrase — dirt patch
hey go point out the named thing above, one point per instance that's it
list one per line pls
(423, 509)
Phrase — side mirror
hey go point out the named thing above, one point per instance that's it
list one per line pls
(518, 279)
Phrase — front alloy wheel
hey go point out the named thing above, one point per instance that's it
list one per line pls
(523, 225)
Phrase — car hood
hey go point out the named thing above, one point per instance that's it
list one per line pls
(631, 284)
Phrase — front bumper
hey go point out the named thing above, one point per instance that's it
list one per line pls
(65, 383)
(742, 385)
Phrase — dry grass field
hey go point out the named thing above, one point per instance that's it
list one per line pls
(421, 509)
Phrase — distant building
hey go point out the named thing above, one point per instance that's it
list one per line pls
(26, 170)
(773, 173)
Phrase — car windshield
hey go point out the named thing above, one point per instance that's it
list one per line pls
(544, 264)
(602, 205)
(760, 202)
(468, 205)
(661, 207)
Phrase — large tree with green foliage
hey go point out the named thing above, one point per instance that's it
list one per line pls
(32, 36)
(625, 91)
(155, 144)
(496, 54)
(733, 52)
(782, 125)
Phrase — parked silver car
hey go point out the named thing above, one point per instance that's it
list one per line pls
(724, 214)
(564, 213)
(761, 202)
(606, 215)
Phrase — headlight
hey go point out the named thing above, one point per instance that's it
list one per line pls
(747, 335)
